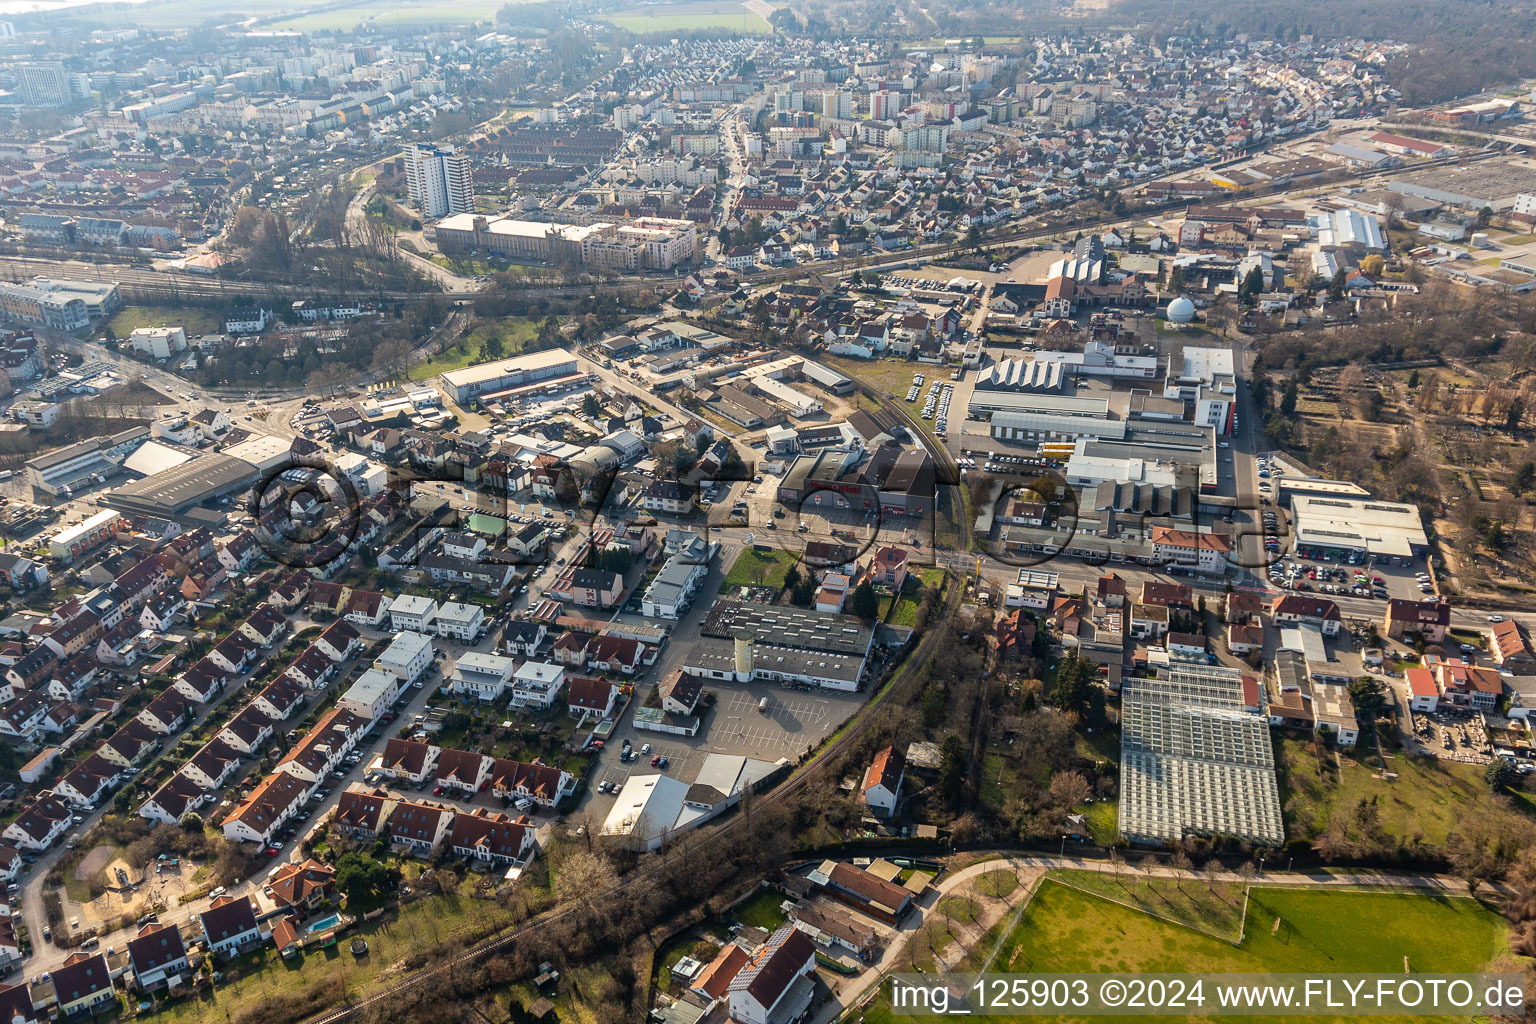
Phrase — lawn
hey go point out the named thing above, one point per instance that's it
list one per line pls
(997, 884)
(194, 320)
(1066, 930)
(470, 349)
(717, 16)
(1429, 796)
(893, 378)
(754, 568)
(905, 612)
(1162, 326)
(762, 910)
(415, 931)
(1103, 817)
(1214, 909)
(389, 13)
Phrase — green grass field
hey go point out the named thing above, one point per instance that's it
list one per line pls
(773, 566)
(416, 930)
(762, 910)
(893, 377)
(191, 13)
(1216, 909)
(389, 13)
(905, 612)
(194, 320)
(468, 351)
(1428, 797)
(741, 21)
(1066, 930)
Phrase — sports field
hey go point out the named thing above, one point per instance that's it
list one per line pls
(1326, 932)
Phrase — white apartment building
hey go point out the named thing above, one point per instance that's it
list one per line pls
(407, 656)
(158, 342)
(482, 676)
(439, 181)
(537, 684)
(412, 612)
(464, 622)
(372, 694)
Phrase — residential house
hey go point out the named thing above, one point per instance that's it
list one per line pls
(523, 637)
(1510, 646)
(492, 838)
(419, 827)
(212, 765)
(463, 769)
(361, 812)
(264, 626)
(229, 926)
(39, 824)
(585, 695)
(1298, 609)
(537, 684)
(258, 817)
(1423, 691)
(590, 588)
(1427, 619)
(889, 567)
(778, 980)
(179, 795)
(407, 759)
(247, 730)
(339, 641)
(412, 612)
(669, 497)
(1468, 686)
(203, 681)
(158, 958)
(463, 622)
(303, 886)
(83, 984)
(482, 676)
(882, 781)
(544, 784)
(89, 782)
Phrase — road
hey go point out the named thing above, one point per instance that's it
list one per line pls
(357, 214)
(47, 957)
(630, 387)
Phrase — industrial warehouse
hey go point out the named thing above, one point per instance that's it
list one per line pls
(742, 642)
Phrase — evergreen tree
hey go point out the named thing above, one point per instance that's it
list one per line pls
(865, 604)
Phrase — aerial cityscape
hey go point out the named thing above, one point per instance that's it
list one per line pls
(698, 511)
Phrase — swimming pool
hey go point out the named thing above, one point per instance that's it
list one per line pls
(325, 924)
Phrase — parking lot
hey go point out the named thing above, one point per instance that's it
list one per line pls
(794, 721)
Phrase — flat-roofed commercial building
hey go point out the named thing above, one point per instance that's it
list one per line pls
(530, 239)
(59, 303)
(798, 647)
(79, 465)
(72, 542)
(172, 491)
(505, 374)
(651, 243)
(1196, 759)
(1389, 531)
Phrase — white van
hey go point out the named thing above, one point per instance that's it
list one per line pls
(762, 705)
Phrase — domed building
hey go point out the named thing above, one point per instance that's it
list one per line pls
(1180, 311)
